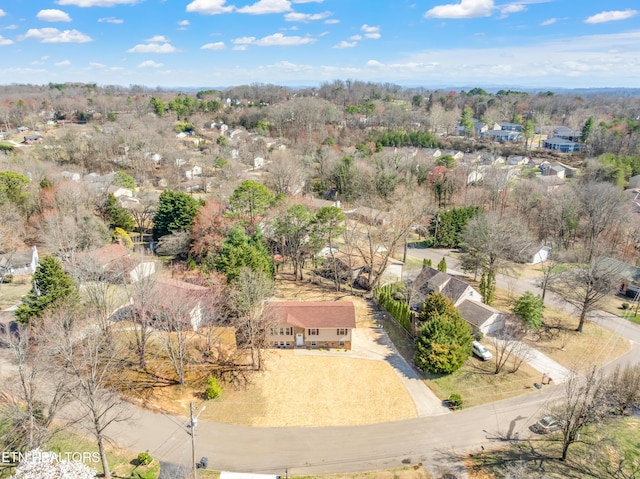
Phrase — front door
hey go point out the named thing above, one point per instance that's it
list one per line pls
(299, 339)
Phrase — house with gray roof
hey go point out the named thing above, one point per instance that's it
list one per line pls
(481, 317)
(560, 144)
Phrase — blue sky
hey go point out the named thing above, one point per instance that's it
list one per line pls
(219, 43)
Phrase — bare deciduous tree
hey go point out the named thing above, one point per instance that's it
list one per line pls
(583, 402)
(90, 363)
(250, 291)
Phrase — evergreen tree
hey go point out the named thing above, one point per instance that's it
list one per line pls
(529, 308)
(239, 251)
(116, 216)
(442, 265)
(176, 211)
(50, 285)
(443, 344)
(437, 304)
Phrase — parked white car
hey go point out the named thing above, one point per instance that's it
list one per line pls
(482, 352)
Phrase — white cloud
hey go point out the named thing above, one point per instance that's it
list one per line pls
(63, 63)
(96, 3)
(157, 39)
(307, 1)
(332, 21)
(110, 20)
(213, 46)
(506, 10)
(306, 17)
(2, 12)
(150, 64)
(611, 16)
(369, 29)
(209, 7)
(11, 27)
(53, 35)
(97, 65)
(263, 7)
(277, 39)
(240, 48)
(53, 15)
(355, 37)
(345, 44)
(153, 48)
(5, 41)
(372, 36)
(464, 9)
(184, 23)
(549, 21)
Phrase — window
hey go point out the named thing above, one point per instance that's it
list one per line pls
(274, 331)
(313, 343)
(288, 331)
(341, 343)
(281, 331)
(314, 332)
(342, 332)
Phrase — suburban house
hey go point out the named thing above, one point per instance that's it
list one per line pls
(511, 126)
(325, 324)
(629, 276)
(118, 263)
(560, 144)
(353, 266)
(501, 136)
(557, 169)
(183, 302)
(480, 316)
(567, 133)
(19, 263)
(32, 139)
(536, 254)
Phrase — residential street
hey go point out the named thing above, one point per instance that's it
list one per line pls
(437, 441)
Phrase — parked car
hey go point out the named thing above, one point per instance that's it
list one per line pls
(482, 352)
(547, 424)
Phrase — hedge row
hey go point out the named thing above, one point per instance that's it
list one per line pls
(398, 309)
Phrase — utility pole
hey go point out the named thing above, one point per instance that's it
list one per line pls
(192, 426)
(193, 441)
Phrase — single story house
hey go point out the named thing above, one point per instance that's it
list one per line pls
(501, 136)
(19, 263)
(351, 264)
(184, 302)
(31, 139)
(629, 276)
(118, 263)
(537, 254)
(561, 145)
(481, 317)
(326, 324)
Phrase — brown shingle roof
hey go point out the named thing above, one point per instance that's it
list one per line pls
(314, 314)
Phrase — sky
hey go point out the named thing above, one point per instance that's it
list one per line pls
(415, 43)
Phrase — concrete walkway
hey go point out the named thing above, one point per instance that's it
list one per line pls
(375, 345)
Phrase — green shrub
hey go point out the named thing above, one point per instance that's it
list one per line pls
(213, 388)
(7, 278)
(625, 306)
(144, 458)
(398, 309)
(455, 400)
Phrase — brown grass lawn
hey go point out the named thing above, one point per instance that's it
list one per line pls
(10, 293)
(298, 390)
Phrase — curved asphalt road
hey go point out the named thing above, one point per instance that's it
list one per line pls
(438, 442)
